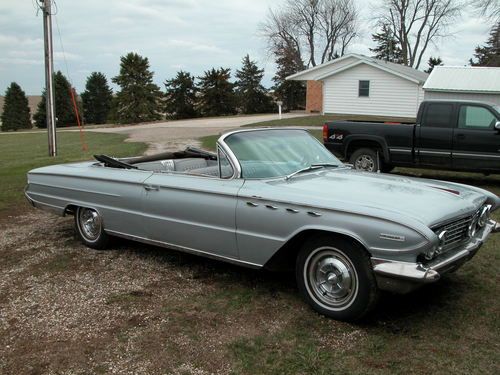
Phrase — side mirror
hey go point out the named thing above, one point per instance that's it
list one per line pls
(497, 125)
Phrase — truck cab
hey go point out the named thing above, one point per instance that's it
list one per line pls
(453, 135)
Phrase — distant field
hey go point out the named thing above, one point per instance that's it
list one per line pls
(22, 152)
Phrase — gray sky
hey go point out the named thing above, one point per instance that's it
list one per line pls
(193, 35)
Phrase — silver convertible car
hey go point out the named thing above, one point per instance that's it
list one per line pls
(277, 198)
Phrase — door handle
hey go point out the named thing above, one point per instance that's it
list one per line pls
(251, 204)
(460, 136)
(151, 187)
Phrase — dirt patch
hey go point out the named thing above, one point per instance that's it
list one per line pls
(65, 308)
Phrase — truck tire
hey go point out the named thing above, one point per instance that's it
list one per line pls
(335, 277)
(365, 159)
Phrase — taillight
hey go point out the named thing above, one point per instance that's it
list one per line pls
(325, 132)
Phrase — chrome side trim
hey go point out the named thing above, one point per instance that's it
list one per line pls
(75, 189)
(45, 206)
(182, 249)
(328, 209)
(476, 155)
(431, 152)
(401, 150)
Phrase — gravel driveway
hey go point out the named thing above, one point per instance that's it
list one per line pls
(174, 135)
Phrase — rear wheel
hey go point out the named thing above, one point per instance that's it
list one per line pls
(335, 277)
(90, 229)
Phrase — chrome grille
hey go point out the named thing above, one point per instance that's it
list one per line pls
(456, 231)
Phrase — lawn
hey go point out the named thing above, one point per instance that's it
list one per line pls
(319, 120)
(22, 152)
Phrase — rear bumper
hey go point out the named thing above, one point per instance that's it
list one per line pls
(403, 277)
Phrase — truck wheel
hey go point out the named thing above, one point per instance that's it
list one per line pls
(90, 228)
(335, 277)
(365, 159)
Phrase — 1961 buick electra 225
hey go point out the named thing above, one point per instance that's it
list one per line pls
(278, 198)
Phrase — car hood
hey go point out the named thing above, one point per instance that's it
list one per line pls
(427, 201)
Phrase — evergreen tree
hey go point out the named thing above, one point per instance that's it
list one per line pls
(180, 98)
(216, 96)
(432, 62)
(96, 99)
(387, 47)
(489, 54)
(292, 93)
(65, 114)
(251, 95)
(16, 112)
(139, 98)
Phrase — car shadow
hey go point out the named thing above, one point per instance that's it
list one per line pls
(392, 312)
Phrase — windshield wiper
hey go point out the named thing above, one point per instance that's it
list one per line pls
(311, 168)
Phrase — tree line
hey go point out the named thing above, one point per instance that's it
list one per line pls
(299, 33)
(139, 99)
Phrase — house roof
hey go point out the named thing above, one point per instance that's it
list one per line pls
(320, 72)
(464, 79)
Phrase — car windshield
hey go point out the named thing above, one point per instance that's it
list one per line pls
(278, 152)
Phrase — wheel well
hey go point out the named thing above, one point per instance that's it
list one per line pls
(355, 145)
(70, 209)
(284, 258)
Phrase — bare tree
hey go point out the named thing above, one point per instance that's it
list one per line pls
(318, 30)
(488, 8)
(417, 23)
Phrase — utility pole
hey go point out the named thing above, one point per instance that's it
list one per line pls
(49, 70)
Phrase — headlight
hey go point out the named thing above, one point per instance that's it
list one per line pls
(484, 216)
(436, 250)
(473, 227)
(442, 239)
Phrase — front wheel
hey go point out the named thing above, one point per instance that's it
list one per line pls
(335, 277)
(90, 229)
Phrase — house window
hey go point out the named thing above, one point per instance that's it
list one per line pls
(364, 88)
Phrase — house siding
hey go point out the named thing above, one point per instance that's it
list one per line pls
(390, 95)
(490, 98)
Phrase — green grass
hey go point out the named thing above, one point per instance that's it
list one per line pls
(23, 152)
(319, 120)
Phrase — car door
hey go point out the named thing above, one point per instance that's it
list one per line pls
(476, 144)
(435, 135)
(193, 212)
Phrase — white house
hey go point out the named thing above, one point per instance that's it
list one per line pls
(360, 85)
(464, 83)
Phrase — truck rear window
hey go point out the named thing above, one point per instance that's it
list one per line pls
(438, 115)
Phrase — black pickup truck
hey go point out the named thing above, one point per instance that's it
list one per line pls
(454, 135)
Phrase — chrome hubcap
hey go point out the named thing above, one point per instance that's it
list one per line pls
(331, 277)
(90, 223)
(365, 163)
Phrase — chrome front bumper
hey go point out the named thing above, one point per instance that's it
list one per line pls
(403, 277)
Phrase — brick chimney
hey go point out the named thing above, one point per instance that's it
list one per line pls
(314, 97)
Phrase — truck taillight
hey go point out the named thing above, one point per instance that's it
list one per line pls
(325, 132)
